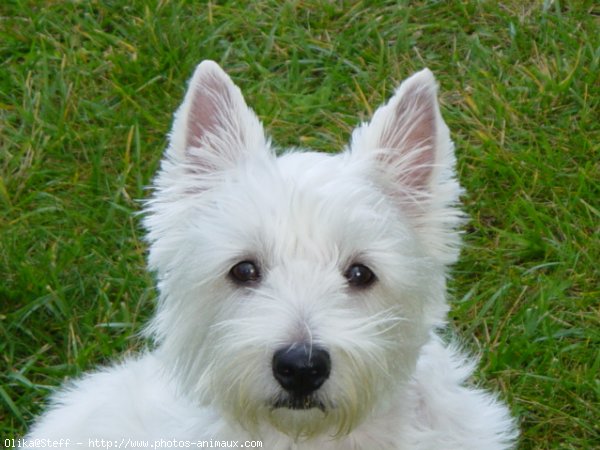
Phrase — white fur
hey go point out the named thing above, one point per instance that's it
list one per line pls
(222, 196)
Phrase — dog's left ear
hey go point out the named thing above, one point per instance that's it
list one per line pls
(214, 128)
(408, 146)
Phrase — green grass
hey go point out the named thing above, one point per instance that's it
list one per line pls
(87, 90)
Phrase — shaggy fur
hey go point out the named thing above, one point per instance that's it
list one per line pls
(303, 220)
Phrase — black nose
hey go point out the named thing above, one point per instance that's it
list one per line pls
(301, 369)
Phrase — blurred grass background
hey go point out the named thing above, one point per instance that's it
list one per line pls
(87, 92)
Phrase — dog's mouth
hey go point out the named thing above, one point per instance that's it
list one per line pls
(302, 416)
(303, 402)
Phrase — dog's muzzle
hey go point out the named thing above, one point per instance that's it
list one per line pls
(301, 370)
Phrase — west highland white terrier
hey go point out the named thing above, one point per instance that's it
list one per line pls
(300, 295)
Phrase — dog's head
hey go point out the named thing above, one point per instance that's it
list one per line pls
(296, 291)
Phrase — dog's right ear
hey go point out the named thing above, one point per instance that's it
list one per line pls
(214, 128)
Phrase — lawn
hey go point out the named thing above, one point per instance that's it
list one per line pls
(87, 91)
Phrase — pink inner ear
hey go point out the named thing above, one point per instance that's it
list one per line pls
(410, 136)
(210, 104)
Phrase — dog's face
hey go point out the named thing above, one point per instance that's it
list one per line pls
(297, 291)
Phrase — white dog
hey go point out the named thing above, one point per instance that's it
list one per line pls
(299, 295)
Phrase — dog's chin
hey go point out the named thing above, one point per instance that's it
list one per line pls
(300, 422)
(305, 417)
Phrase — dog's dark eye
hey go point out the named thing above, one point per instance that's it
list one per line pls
(359, 275)
(245, 272)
